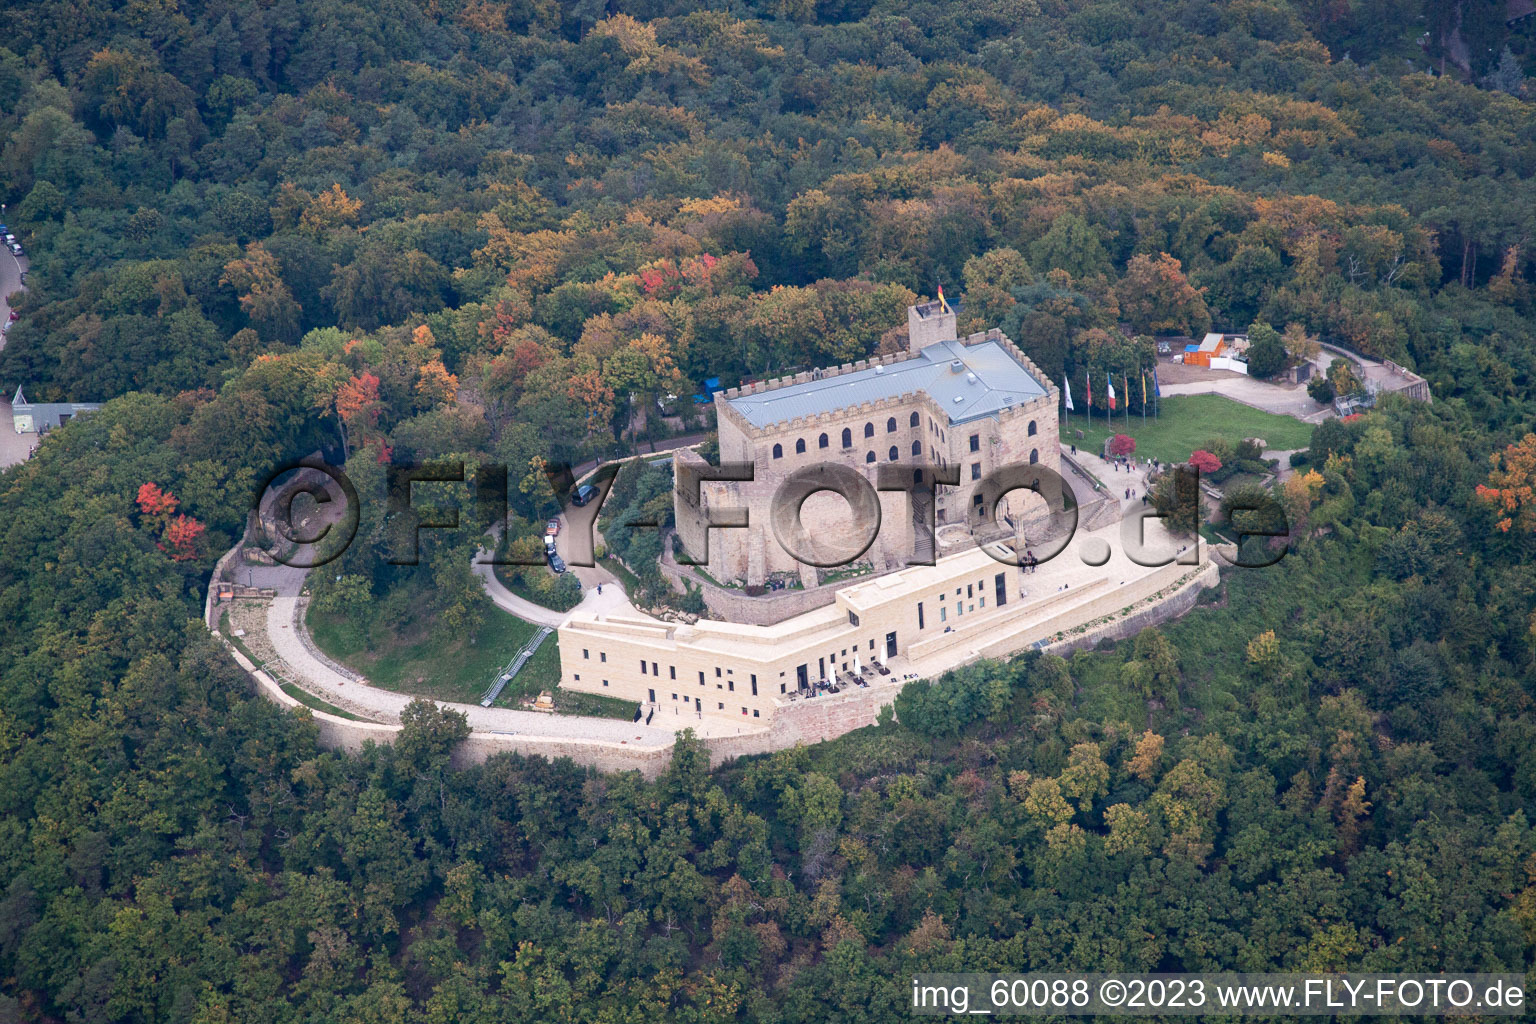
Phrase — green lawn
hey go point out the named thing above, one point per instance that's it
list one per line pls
(1186, 422)
(416, 662)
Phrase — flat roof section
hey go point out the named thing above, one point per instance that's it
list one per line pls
(987, 380)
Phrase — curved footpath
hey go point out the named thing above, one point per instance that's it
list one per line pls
(284, 629)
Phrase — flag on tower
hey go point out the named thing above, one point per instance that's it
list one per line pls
(1111, 392)
(942, 302)
(1066, 393)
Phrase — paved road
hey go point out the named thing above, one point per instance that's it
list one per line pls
(14, 447)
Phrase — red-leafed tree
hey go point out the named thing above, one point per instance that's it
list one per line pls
(1122, 444)
(1204, 461)
(154, 502)
(183, 533)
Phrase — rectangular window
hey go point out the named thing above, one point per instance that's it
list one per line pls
(652, 695)
(602, 655)
(717, 671)
(982, 600)
(701, 677)
(783, 687)
(642, 666)
(755, 714)
(919, 615)
(1001, 584)
(719, 707)
(586, 653)
(743, 711)
(578, 677)
(853, 620)
(730, 684)
(943, 613)
(673, 670)
(674, 696)
(655, 669)
(968, 590)
(975, 442)
(754, 686)
(975, 471)
(605, 682)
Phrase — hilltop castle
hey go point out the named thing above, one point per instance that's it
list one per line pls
(976, 403)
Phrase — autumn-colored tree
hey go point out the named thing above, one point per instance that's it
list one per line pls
(264, 296)
(435, 384)
(156, 503)
(1300, 347)
(357, 407)
(1144, 764)
(1156, 297)
(1121, 445)
(1511, 486)
(183, 533)
(1204, 461)
(332, 208)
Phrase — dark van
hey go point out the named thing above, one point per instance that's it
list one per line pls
(583, 494)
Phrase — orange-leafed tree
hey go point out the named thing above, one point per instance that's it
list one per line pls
(357, 407)
(1155, 296)
(1511, 486)
(435, 384)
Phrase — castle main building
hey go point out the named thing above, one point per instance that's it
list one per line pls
(976, 403)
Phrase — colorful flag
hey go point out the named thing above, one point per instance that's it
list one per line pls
(1067, 394)
(1089, 378)
(942, 302)
(1157, 391)
(1143, 390)
(1111, 393)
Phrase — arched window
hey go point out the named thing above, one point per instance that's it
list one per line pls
(894, 453)
(778, 451)
(917, 476)
(869, 430)
(847, 438)
(890, 425)
(1034, 456)
(917, 447)
(913, 421)
(869, 456)
(800, 446)
(823, 442)
(1031, 428)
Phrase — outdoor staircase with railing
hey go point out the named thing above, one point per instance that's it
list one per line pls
(513, 667)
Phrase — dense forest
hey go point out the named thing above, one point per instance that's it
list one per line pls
(501, 231)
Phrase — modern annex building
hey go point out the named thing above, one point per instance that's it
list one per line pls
(975, 403)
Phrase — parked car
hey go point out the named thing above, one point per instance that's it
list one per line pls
(556, 565)
(549, 545)
(10, 239)
(16, 250)
(552, 527)
(583, 494)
